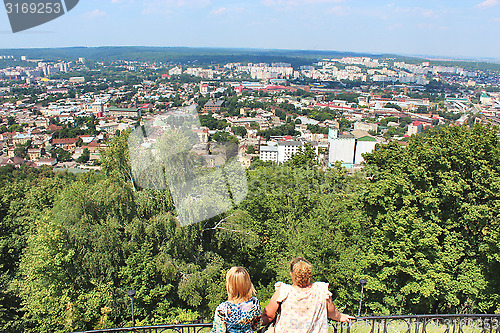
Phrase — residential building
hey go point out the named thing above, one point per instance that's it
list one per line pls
(214, 161)
(35, 153)
(97, 108)
(414, 128)
(287, 148)
(66, 143)
(213, 106)
(282, 151)
(269, 153)
(365, 143)
(123, 112)
(77, 79)
(202, 134)
(46, 161)
(365, 126)
(20, 138)
(204, 88)
(342, 146)
(348, 148)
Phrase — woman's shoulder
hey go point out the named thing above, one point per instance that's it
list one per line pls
(322, 287)
(280, 284)
(223, 306)
(254, 301)
(283, 289)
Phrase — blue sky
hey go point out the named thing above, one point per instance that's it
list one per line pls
(446, 28)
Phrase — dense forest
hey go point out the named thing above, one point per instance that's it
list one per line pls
(420, 224)
(197, 56)
(210, 56)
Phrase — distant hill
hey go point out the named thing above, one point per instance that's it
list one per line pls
(181, 54)
(206, 56)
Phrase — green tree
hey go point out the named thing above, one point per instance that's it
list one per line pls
(72, 262)
(61, 154)
(10, 120)
(213, 123)
(250, 149)
(84, 157)
(304, 158)
(433, 223)
(422, 109)
(20, 151)
(255, 125)
(115, 160)
(26, 194)
(393, 106)
(224, 137)
(239, 130)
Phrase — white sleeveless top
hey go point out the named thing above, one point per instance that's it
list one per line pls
(303, 311)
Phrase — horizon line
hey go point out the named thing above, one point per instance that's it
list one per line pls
(363, 53)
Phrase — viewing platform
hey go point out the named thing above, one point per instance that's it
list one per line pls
(446, 323)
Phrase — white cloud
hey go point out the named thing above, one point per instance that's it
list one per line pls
(218, 11)
(296, 2)
(433, 27)
(487, 4)
(179, 3)
(167, 6)
(122, 1)
(395, 26)
(424, 12)
(338, 10)
(94, 14)
(427, 12)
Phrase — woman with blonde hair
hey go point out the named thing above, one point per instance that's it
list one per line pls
(305, 305)
(241, 312)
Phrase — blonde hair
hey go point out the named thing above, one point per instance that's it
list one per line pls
(238, 285)
(301, 271)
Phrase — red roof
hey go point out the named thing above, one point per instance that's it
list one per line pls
(93, 144)
(64, 141)
(53, 127)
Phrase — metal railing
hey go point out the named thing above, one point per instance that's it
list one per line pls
(445, 323)
(173, 328)
(460, 323)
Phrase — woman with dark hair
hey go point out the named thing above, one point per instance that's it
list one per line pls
(305, 305)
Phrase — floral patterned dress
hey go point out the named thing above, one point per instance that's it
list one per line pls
(303, 311)
(237, 318)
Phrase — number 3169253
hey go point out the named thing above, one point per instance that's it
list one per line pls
(33, 8)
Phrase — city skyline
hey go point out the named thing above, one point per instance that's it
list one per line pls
(448, 29)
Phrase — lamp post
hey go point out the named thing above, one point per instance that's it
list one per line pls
(131, 294)
(362, 282)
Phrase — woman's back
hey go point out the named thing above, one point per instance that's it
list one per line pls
(303, 310)
(236, 318)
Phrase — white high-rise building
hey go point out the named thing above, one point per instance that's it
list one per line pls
(342, 147)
